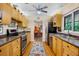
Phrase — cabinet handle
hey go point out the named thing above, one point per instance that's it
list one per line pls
(67, 55)
(68, 46)
(0, 50)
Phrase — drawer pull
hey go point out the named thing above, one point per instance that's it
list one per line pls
(0, 50)
(68, 46)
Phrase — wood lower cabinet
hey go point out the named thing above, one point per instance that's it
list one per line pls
(28, 37)
(4, 50)
(62, 48)
(54, 44)
(15, 45)
(11, 49)
(70, 50)
(59, 47)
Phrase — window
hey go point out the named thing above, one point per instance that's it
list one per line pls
(68, 22)
(76, 21)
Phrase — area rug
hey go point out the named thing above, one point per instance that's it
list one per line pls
(37, 49)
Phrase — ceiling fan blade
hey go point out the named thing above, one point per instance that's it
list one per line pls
(44, 7)
(43, 11)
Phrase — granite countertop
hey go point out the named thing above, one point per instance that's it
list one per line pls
(6, 40)
(70, 39)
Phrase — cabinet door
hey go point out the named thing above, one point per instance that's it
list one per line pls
(6, 19)
(28, 37)
(59, 47)
(70, 49)
(54, 45)
(6, 13)
(4, 50)
(15, 48)
(58, 20)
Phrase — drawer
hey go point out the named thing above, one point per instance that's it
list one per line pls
(73, 48)
(65, 45)
(70, 49)
(66, 54)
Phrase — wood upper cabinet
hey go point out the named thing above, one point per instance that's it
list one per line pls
(24, 22)
(57, 20)
(15, 14)
(6, 19)
(6, 11)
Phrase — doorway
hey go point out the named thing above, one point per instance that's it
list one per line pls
(38, 31)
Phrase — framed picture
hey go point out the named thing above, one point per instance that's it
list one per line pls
(0, 14)
(1, 29)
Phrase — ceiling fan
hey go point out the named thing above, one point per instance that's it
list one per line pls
(40, 9)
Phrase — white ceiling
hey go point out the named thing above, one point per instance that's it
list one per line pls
(33, 15)
(26, 8)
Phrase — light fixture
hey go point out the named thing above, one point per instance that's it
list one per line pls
(38, 12)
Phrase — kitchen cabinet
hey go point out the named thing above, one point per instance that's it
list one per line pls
(6, 19)
(5, 50)
(6, 11)
(15, 14)
(11, 49)
(57, 46)
(54, 44)
(15, 45)
(28, 37)
(57, 20)
(24, 22)
(62, 48)
(70, 50)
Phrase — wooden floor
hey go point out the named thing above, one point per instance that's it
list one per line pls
(48, 51)
(28, 49)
